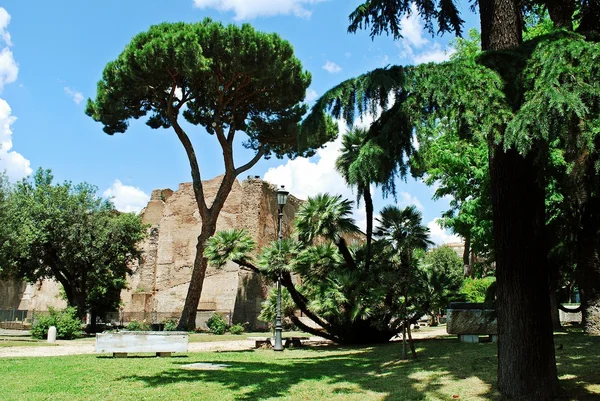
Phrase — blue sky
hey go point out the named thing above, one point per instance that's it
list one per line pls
(52, 54)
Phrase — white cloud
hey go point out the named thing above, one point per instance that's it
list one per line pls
(332, 67)
(8, 68)
(415, 46)
(126, 198)
(249, 9)
(14, 164)
(311, 95)
(412, 29)
(75, 95)
(406, 199)
(439, 235)
(4, 21)
(305, 178)
(435, 54)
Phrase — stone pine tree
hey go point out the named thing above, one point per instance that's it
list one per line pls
(225, 79)
(520, 98)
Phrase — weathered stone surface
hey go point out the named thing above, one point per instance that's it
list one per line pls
(471, 319)
(158, 286)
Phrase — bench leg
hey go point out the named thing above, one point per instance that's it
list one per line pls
(119, 354)
(163, 354)
(469, 338)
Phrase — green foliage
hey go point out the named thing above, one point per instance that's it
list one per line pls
(234, 77)
(561, 94)
(354, 301)
(385, 16)
(237, 329)
(216, 324)
(135, 325)
(269, 306)
(170, 324)
(68, 325)
(475, 289)
(326, 216)
(229, 245)
(64, 231)
(442, 273)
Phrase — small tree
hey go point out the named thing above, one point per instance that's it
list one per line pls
(64, 232)
(442, 273)
(225, 79)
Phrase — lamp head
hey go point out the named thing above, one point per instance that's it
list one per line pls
(282, 196)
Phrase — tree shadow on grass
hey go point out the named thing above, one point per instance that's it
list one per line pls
(444, 369)
(343, 370)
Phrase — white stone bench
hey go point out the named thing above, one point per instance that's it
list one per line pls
(163, 343)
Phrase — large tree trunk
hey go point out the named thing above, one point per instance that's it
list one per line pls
(526, 363)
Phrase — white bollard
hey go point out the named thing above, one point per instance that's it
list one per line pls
(52, 334)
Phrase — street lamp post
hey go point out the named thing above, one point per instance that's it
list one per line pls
(282, 196)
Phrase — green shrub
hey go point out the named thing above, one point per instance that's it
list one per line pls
(68, 325)
(474, 289)
(134, 325)
(170, 324)
(237, 329)
(216, 324)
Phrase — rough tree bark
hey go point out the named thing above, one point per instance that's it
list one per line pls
(208, 215)
(526, 362)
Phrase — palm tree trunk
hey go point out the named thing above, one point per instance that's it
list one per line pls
(369, 214)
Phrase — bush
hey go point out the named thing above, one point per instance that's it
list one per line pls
(134, 325)
(474, 289)
(237, 329)
(170, 324)
(68, 325)
(216, 324)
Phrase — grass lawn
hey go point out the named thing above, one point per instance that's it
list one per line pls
(444, 370)
(24, 343)
(208, 337)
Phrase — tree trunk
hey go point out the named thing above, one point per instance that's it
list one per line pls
(369, 215)
(413, 351)
(526, 363)
(190, 308)
(556, 325)
(469, 270)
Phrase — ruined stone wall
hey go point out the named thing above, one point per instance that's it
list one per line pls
(160, 281)
(158, 286)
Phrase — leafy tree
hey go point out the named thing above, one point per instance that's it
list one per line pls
(476, 289)
(518, 96)
(65, 232)
(458, 167)
(226, 79)
(442, 274)
(335, 290)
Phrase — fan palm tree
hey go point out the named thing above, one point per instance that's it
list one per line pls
(402, 228)
(328, 217)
